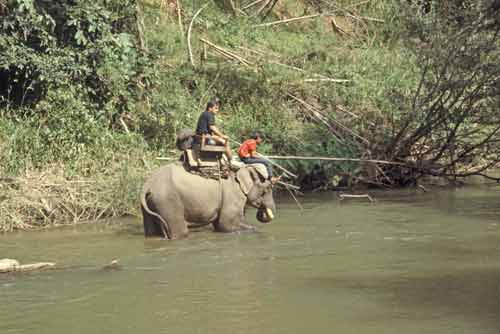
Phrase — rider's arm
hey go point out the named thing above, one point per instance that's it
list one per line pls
(216, 132)
(252, 150)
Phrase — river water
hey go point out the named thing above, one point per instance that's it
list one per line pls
(411, 262)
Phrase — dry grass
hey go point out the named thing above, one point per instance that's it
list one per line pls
(49, 198)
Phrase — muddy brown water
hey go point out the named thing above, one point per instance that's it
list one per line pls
(412, 262)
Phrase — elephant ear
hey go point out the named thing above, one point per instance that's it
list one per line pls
(245, 178)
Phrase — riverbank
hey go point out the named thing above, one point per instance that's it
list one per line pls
(50, 198)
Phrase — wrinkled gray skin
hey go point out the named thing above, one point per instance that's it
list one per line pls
(174, 200)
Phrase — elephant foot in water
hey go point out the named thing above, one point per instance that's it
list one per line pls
(241, 227)
(246, 228)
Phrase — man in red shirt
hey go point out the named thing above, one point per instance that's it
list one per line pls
(248, 154)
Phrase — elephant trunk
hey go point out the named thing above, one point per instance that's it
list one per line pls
(265, 215)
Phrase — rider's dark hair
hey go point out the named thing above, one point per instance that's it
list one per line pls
(213, 103)
(255, 135)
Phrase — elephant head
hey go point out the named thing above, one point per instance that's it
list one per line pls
(259, 193)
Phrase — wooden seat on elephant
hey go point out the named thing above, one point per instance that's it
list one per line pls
(196, 159)
(204, 155)
(204, 147)
(207, 165)
(211, 150)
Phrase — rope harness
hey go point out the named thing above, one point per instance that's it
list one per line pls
(220, 187)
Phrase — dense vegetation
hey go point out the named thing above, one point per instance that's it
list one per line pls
(92, 91)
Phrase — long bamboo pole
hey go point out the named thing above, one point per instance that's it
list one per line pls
(286, 171)
(288, 185)
(293, 157)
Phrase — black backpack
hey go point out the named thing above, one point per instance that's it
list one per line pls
(184, 139)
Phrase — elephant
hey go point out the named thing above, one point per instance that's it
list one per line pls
(174, 200)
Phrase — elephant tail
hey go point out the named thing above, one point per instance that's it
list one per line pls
(164, 226)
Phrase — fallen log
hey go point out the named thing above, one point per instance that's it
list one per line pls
(344, 196)
(227, 54)
(167, 158)
(293, 19)
(11, 265)
(252, 4)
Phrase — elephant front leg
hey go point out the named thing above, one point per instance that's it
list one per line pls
(246, 227)
(232, 222)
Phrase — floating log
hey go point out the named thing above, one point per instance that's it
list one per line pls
(344, 196)
(11, 265)
(6, 265)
